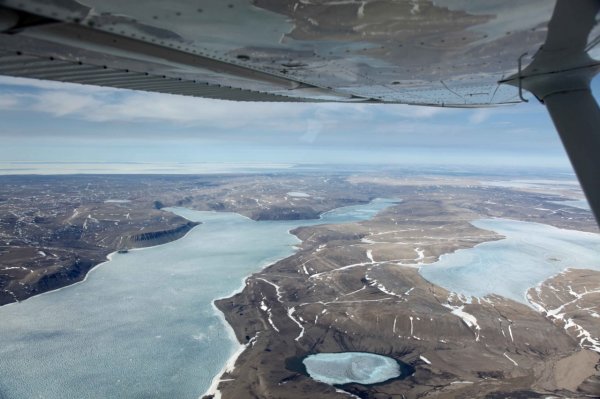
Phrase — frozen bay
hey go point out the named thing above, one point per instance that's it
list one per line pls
(142, 325)
(530, 254)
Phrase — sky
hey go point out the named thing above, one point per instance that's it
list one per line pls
(42, 121)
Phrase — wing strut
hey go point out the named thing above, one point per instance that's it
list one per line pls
(559, 76)
(577, 118)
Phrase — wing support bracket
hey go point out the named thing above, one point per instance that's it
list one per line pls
(520, 77)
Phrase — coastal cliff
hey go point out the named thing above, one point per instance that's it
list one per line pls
(152, 238)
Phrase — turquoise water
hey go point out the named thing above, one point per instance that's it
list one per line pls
(530, 254)
(346, 367)
(143, 325)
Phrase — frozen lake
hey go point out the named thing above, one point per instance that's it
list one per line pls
(143, 325)
(346, 367)
(530, 254)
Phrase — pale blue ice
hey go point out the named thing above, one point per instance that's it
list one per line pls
(143, 325)
(580, 203)
(530, 254)
(347, 367)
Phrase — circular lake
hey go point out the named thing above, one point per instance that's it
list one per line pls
(351, 367)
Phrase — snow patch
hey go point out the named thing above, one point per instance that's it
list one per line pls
(290, 313)
(370, 255)
(508, 357)
(468, 318)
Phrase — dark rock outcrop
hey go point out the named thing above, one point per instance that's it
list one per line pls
(159, 236)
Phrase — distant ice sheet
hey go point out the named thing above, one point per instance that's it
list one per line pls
(547, 186)
(347, 367)
(581, 204)
(530, 254)
(534, 183)
(66, 168)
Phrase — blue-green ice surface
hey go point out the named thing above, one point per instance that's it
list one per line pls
(346, 367)
(143, 325)
(530, 254)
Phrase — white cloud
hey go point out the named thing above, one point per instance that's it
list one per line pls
(421, 112)
(8, 101)
(62, 103)
(100, 104)
(169, 118)
(313, 130)
(479, 116)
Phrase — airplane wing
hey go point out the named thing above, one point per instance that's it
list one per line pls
(442, 52)
(451, 53)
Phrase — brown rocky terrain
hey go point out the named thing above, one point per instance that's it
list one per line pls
(352, 287)
(571, 300)
(356, 287)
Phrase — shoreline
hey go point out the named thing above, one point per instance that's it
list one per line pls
(238, 348)
(502, 237)
(96, 266)
(213, 389)
(230, 363)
